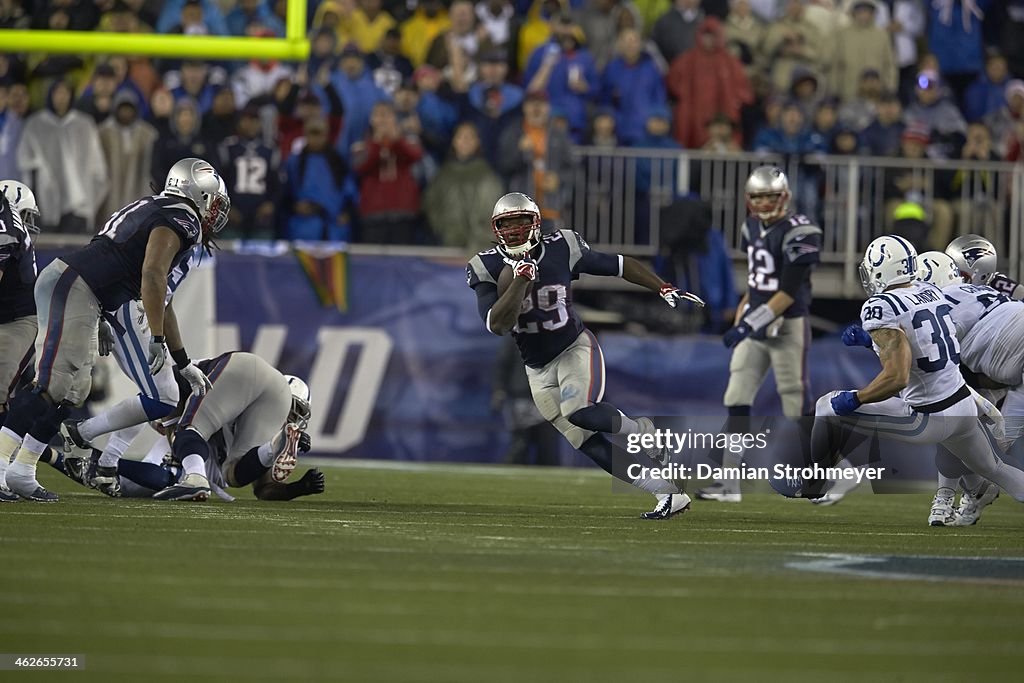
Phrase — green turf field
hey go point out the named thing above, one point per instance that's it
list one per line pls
(504, 574)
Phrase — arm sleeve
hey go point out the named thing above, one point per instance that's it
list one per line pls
(1007, 286)
(801, 251)
(583, 259)
(481, 282)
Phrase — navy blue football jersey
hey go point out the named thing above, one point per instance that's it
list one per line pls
(791, 241)
(111, 264)
(547, 323)
(17, 266)
(250, 173)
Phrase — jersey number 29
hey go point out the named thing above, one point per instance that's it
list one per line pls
(549, 298)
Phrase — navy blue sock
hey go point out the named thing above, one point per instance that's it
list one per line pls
(46, 426)
(249, 468)
(23, 414)
(599, 417)
(145, 474)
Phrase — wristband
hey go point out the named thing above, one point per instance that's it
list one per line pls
(760, 317)
(159, 339)
(180, 358)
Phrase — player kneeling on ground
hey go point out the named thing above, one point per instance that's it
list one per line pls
(919, 396)
(523, 287)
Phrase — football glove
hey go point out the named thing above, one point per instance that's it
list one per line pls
(845, 402)
(196, 379)
(855, 335)
(672, 295)
(305, 443)
(737, 334)
(526, 268)
(106, 338)
(312, 482)
(156, 355)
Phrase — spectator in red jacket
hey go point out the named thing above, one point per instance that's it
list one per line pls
(704, 81)
(389, 197)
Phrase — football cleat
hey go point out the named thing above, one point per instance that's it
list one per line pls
(41, 495)
(106, 481)
(77, 468)
(669, 505)
(828, 499)
(971, 506)
(192, 487)
(720, 492)
(942, 512)
(74, 444)
(658, 455)
(8, 496)
(285, 447)
(21, 479)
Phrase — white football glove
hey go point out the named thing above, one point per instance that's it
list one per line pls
(157, 354)
(106, 338)
(672, 295)
(196, 379)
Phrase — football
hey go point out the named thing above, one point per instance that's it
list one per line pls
(505, 279)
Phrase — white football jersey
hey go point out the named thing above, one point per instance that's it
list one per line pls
(925, 317)
(994, 346)
(971, 303)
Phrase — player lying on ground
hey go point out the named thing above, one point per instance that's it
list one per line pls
(523, 287)
(18, 213)
(772, 329)
(131, 257)
(919, 395)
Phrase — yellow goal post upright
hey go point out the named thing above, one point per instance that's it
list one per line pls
(293, 47)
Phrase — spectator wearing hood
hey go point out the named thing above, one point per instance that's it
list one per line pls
(632, 86)
(55, 139)
(859, 47)
(370, 23)
(98, 101)
(491, 103)
(790, 41)
(336, 16)
(318, 190)
(987, 94)
(564, 69)
(127, 141)
(419, 31)
(1006, 122)
(250, 168)
(252, 12)
(675, 32)
(704, 81)
(461, 196)
(938, 114)
(600, 21)
(358, 94)
(198, 15)
(805, 90)
(882, 136)
(185, 140)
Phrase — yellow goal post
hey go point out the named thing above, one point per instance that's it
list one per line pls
(293, 47)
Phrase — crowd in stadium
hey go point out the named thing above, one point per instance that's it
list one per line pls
(410, 118)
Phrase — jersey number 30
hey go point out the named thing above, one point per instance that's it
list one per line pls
(940, 338)
(549, 298)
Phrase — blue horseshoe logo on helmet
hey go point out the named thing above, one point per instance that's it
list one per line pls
(881, 256)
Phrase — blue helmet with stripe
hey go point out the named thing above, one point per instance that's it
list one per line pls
(888, 261)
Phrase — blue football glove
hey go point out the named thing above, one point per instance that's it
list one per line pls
(845, 402)
(736, 334)
(855, 335)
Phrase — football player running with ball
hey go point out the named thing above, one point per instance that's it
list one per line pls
(919, 395)
(771, 330)
(523, 288)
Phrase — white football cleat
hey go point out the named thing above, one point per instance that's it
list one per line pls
(970, 508)
(285, 447)
(192, 487)
(720, 492)
(669, 505)
(942, 512)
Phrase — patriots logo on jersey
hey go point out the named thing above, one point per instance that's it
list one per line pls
(190, 228)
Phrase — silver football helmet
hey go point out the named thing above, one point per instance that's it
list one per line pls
(938, 268)
(975, 256)
(516, 237)
(197, 181)
(767, 193)
(23, 201)
(301, 410)
(889, 260)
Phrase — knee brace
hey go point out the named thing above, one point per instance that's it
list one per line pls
(189, 442)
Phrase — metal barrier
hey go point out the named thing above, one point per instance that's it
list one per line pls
(618, 195)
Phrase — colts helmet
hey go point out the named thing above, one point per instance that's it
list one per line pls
(197, 181)
(889, 260)
(975, 256)
(23, 201)
(516, 240)
(768, 182)
(937, 268)
(301, 411)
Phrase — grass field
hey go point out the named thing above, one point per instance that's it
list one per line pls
(504, 574)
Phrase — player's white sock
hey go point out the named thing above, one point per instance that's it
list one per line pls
(193, 464)
(30, 451)
(655, 486)
(972, 482)
(127, 413)
(846, 484)
(731, 459)
(629, 425)
(266, 454)
(157, 451)
(948, 482)
(117, 444)
(9, 445)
